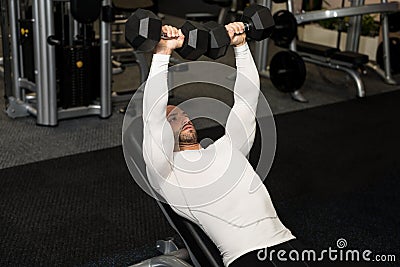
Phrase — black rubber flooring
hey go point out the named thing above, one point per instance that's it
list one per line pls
(336, 175)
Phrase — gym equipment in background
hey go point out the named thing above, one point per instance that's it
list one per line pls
(123, 55)
(355, 11)
(394, 22)
(287, 71)
(58, 69)
(77, 61)
(349, 61)
(227, 7)
(60, 64)
(394, 48)
(285, 28)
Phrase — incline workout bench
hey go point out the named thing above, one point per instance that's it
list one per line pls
(199, 247)
(333, 58)
(349, 61)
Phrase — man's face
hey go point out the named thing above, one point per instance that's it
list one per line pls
(181, 126)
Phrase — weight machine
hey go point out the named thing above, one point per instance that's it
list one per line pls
(58, 59)
(35, 91)
(345, 61)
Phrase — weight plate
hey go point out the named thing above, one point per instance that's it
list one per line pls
(394, 50)
(287, 71)
(285, 28)
(394, 22)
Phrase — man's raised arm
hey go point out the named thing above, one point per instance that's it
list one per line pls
(158, 139)
(241, 124)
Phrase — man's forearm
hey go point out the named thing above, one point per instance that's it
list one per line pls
(158, 138)
(241, 122)
(155, 96)
(247, 85)
(156, 89)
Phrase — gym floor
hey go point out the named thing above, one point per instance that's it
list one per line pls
(23, 143)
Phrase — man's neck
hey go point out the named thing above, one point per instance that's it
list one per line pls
(194, 146)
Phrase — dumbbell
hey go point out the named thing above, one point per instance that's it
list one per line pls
(143, 33)
(258, 22)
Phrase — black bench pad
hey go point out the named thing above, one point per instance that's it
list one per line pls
(354, 58)
(315, 49)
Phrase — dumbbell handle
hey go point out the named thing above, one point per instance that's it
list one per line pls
(246, 26)
(165, 37)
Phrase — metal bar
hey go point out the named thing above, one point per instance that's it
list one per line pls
(79, 112)
(354, 74)
(31, 97)
(200, 242)
(347, 11)
(381, 73)
(17, 108)
(21, 61)
(261, 47)
(15, 68)
(163, 261)
(75, 28)
(290, 8)
(106, 70)
(117, 32)
(122, 51)
(51, 63)
(120, 21)
(116, 98)
(44, 55)
(264, 73)
(386, 46)
(353, 33)
(24, 83)
(71, 24)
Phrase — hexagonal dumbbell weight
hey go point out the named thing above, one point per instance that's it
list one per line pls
(258, 22)
(143, 32)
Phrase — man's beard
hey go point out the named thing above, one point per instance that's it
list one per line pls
(188, 137)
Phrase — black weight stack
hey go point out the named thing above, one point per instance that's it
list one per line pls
(79, 70)
(26, 41)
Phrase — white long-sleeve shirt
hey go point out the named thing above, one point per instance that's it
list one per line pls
(212, 187)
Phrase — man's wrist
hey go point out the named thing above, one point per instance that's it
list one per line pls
(163, 51)
(241, 44)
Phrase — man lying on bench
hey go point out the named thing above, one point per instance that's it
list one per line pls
(241, 221)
